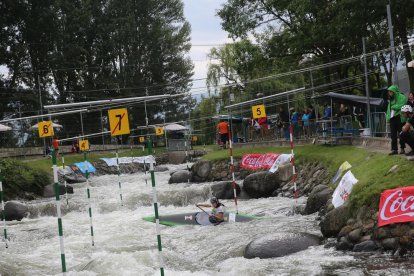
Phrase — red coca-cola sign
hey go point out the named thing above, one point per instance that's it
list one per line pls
(258, 161)
(396, 205)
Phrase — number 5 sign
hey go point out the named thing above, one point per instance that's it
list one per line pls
(118, 121)
(45, 129)
(159, 131)
(258, 111)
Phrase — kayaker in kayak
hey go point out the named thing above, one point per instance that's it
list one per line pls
(217, 213)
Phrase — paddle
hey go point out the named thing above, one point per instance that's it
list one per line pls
(203, 210)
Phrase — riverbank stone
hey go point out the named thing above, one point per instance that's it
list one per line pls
(224, 190)
(334, 220)
(279, 245)
(15, 210)
(49, 190)
(201, 170)
(261, 184)
(317, 199)
(180, 177)
(366, 246)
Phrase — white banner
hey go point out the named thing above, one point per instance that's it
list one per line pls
(282, 159)
(343, 168)
(127, 160)
(344, 189)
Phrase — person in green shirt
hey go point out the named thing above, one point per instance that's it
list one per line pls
(396, 100)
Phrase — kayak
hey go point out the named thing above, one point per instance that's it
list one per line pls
(198, 218)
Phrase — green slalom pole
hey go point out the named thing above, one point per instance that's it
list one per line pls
(3, 217)
(119, 173)
(89, 196)
(155, 201)
(64, 179)
(59, 213)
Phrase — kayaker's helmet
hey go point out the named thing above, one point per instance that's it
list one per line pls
(214, 200)
(407, 108)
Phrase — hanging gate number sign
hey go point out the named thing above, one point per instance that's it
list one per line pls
(118, 121)
(45, 129)
(259, 111)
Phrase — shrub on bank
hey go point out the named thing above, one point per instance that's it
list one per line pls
(22, 181)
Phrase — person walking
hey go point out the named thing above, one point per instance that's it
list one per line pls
(396, 100)
(223, 130)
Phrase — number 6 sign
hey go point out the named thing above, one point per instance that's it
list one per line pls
(118, 121)
(45, 129)
(258, 111)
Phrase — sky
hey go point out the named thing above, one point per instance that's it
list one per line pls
(206, 32)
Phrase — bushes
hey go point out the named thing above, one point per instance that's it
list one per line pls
(22, 181)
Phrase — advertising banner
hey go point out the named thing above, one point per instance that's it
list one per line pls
(344, 189)
(282, 159)
(258, 161)
(396, 205)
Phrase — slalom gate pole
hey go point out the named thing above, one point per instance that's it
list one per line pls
(119, 173)
(64, 179)
(89, 196)
(233, 183)
(59, 213)
(3, 217)
(155, 201)
(293, 162)
(186, 157)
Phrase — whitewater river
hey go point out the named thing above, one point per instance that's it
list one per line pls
(126, 245)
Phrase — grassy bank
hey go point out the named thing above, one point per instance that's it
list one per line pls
(369, 168)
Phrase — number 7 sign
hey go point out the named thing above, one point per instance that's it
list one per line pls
(118, 121)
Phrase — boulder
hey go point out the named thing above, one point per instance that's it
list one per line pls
(285, 172)
(334, 220)
(176, 157)
(317, 199)
(74, 178)
(160, 169)
(355, 235)
(390, 243)
(279, 245)
(49, 190)
(180, 177)
(344, 244)
(261, 184)
(15, 210)
(201, 170)
(224, 190)
(365, 246)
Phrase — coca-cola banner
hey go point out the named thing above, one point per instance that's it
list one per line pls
(396, 205)
(258, 161)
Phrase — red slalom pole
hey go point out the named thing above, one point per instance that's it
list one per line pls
(293, 162)
(233, 183)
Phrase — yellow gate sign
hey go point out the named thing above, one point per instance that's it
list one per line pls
(118, 121)
(84, 145)
(159, 131)
(45, 129)
(195, 138)
(141, 139)
(258, 111)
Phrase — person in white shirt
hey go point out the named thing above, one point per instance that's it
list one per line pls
(217, 212)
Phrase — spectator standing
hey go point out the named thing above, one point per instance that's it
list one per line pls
(327, 112)
(263, 126)
(407, 134)
(284, 117)
(359, 116)
(305, 120)
(410, 100)
(294, 120)
(396, 100)
(223, 130)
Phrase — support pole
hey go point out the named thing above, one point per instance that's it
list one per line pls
(119, 173)
(393, 57)
(89, 197)
(59, 213)
(366, 85)
(292, 160)
(233, 183)
(64, 178)
(3, 217)
(155, 202)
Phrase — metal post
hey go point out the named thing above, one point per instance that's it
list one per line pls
(393, 57)
(3, 217)
(119, 173)
(103, 139)
(233, 183)
(89, 196)
(64, 178)
(366, 86)
(41, 111)
(59, 214)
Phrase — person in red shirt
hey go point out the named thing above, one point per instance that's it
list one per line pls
(223, 130)
(55, 144)
(263, 126)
